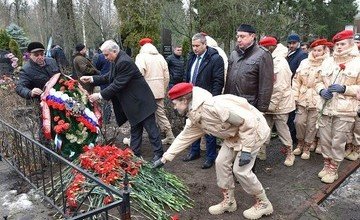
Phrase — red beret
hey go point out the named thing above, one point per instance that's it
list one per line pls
(268, 41)
(330, 45)
(179, 90)
(145, 41)
(346, 34)
(319, 42)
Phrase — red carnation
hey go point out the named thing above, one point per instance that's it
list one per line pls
(107, 200)
(342, 66)
(86, 148)
(175, 217)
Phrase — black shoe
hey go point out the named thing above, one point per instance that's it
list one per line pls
(191, 157)
(207, 164)
(155, 158)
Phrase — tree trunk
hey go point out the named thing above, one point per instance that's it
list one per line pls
(65, 9)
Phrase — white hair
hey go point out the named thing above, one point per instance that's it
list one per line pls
(110, 45)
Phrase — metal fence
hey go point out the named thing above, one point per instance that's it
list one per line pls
(45, 171)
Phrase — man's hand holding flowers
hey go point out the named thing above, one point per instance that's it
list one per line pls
(87, 79)
(94, 97)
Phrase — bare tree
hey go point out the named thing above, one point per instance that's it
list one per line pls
(67, 25)
(5, 13)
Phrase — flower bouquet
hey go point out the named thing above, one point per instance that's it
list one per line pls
(153, 191)
(68, 118)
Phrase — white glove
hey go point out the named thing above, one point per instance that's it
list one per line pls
(35, 92)
(94, 97)
(87, 79)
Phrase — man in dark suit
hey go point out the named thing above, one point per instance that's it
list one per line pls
(206, 70)
(131, 97)
(294, 58)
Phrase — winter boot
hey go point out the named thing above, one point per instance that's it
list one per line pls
(318, 148)
(354, 155)
(227, 205)
(299, 147)
(169, 137)
(306, 151)
(262, 153)
(314, 144)
(332, 173)
(348, 149)
(127, 141)
(290, 157)
(325, 169)
(262, 207)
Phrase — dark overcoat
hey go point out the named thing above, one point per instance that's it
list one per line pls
(34, 76)
(211, 71)
(130, 94)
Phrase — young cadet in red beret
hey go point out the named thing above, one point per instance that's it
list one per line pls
(352, 147)
(144, 41)
(244, 130)
(154, 68)
(337, 85)
(282, 100)
(307, 98)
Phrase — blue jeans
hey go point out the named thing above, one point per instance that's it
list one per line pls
(210, 148)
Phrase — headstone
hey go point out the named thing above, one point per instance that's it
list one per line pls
(166, 42)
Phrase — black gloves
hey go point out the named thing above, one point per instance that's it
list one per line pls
(157, 164)
(337, 88)
(326, 94)
(245, 158)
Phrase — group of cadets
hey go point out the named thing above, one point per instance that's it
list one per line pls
(320, 87)
(311, 98)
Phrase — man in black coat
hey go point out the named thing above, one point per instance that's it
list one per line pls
(176, 65)
(5, 63)
(58, 54)
(206, 70)
(131, 97)
(33, 77)
(296, 54)
(35, 73)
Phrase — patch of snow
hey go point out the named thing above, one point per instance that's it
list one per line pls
(16, 203)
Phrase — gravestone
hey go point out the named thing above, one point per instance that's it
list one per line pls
(166, 49)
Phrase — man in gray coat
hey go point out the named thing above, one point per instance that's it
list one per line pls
(35, 73)
(251, 70)
(33, 77)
